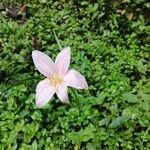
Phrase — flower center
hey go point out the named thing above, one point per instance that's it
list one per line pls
(56, 80)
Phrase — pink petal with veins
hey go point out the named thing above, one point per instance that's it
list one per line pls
(63, 61)
(43, 63)
(44, 92)
(62, 93)
(74, 79)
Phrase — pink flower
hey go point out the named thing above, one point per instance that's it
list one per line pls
(58, 77)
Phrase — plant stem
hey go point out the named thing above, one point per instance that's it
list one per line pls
(60, 47)
(145, 134)
(57, 40)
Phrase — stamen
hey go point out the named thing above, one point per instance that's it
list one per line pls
(56, 80)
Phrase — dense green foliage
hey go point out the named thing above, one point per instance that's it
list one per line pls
(110, 45)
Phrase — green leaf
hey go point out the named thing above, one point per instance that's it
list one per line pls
(145, 106)
(103, 122)
(34, 145)
(82, 135)
(130, 97)
(119, 121)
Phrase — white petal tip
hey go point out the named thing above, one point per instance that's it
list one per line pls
(38, 105)
(34, 53)
(66, 101)
(86, 87)
(67, 49)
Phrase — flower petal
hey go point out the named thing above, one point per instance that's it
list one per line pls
(43, 63)
(44, 92)
(75, 79)
(62, 93)
(63, 61)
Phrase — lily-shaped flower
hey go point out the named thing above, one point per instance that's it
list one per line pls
(58, 77)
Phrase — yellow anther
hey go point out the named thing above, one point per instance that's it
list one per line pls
(56, 80)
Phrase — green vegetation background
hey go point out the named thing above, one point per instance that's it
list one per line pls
(110, 45)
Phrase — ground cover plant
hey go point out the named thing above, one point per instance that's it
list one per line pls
(110, 46)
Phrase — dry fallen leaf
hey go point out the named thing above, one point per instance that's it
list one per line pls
(76, 147)
(121, 11)
(130, 16)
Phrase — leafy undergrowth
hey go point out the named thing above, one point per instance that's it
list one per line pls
(109, 43)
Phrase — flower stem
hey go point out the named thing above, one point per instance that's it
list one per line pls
(60, 47)
(57, 40)
(77, 99)
(75, 94)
